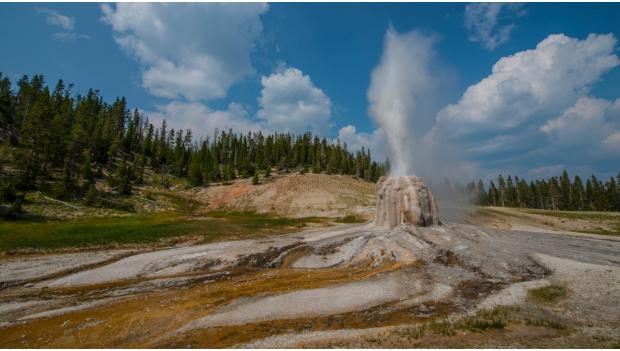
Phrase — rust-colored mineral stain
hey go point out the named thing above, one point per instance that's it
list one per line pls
(152, 319)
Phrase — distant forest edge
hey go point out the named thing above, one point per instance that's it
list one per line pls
(555, 193)
(62, 144)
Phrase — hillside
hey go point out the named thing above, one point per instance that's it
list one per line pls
(293, 195)
(155, 215)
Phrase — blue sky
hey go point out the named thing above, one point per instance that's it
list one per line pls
(295, 67)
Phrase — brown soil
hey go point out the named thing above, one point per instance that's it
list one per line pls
(293, 195)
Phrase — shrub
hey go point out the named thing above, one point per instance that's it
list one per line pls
(547, 294)
(8, 192)
(91, 195)
(255, 178)
(351, 218)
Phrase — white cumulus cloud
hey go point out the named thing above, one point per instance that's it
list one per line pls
(202, 120)
(491, 23)
(193, 51)
(354, 140)
(535, 109)
(290, 102)
(531, 85)
(612, 141)
(587, 123)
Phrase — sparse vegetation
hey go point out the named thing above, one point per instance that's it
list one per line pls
(138, 229)
(496, 318)
(547, 294)
(351, 218)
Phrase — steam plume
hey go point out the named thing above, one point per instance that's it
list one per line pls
(401, 87)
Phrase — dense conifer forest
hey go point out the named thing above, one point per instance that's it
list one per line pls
(59, 143)
(554, 193)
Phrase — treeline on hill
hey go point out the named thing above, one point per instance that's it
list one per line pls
(61, 144)
(555, 193)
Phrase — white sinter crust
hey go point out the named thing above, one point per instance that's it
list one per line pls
(405, 200)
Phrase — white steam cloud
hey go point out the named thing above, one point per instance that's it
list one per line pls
(402, 87)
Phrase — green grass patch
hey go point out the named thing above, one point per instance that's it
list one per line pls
(351, 219)
(547, 294)
(183, 204)
(603, 231)
(84, 232)
(542, 322)
(588, 215)
(488, 319)
(497, 318)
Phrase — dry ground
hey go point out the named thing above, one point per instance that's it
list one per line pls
(354, 285)
(293, 195)
(466, 283)
(543, 221)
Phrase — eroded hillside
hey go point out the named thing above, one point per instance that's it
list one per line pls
(293, 195)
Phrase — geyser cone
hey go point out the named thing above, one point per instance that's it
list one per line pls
(405, 200)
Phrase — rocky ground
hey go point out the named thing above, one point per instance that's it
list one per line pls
(338, 285)
(476, 280)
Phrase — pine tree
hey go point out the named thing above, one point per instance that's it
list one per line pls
(195, 172)
(502, 190)
(66, 186)
(578, 202)
(554, 195)
(91, 195)
(482, 195)
(565, 191)
(493, 194)
(255, 179)
(125, 178)
(86, 170)
(139, 164)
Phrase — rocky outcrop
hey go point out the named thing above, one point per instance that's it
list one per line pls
(405, 200)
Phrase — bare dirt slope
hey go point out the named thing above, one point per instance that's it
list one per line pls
(294, 195)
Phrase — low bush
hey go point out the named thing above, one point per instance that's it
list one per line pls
(547, 294)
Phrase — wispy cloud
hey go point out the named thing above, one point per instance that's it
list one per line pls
(69, 36)
(65, 23)
(545, 171)
(491, 24)
(56, 18)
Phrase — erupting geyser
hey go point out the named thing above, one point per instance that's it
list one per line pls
(405, 200)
